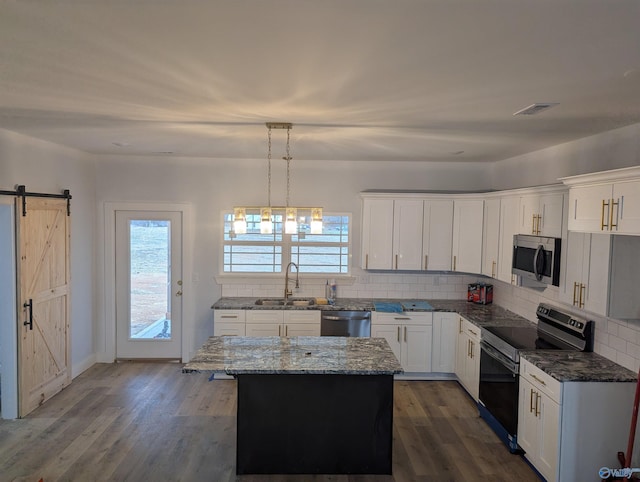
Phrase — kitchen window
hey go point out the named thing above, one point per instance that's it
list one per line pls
(253, 252)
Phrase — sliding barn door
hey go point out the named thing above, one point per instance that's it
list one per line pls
(44, 301)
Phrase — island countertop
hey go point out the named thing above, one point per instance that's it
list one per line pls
(238, 355)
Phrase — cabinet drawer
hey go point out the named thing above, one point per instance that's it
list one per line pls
(229, 316)
(465, 326)
(411, 318)
(302, 316)
(264, 316)
(541, 381)
(223, 328)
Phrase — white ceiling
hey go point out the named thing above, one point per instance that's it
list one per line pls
(412, 80)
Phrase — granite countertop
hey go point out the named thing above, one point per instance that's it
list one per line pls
(580, 366)
(561, 365)
(480, 315)
(238, 355)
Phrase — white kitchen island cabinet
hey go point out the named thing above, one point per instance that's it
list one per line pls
(569, 430)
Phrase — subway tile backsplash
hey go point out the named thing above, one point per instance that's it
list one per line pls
(617, 340)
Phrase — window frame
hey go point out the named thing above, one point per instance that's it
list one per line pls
(287, 244)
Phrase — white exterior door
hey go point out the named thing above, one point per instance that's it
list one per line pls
(148, 284)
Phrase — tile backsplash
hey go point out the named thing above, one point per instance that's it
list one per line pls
(617, 340)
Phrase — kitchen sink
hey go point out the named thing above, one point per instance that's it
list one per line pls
(282, 302)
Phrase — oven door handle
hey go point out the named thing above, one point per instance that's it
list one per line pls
(496, 355)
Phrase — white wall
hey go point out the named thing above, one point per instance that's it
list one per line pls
(213, 185)
(45, 167)
(612, 150)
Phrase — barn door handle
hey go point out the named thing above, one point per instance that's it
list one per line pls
(30, 321)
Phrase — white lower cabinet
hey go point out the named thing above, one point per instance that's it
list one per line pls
(229, 323)
(283, 323)
(468, 356)
(538, 419)
(445, 331)
(569, 430)
(409, 335)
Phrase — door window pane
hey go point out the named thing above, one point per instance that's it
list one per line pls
(150, 282)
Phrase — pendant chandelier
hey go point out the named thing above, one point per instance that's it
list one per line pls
(290, 212)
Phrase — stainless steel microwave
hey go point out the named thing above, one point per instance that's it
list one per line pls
(537, 258)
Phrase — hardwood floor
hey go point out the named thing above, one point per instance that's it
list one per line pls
(150, 422)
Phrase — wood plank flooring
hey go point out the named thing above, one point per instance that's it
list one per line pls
(150, 422)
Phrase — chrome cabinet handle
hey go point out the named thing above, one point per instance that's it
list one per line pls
(405, 334)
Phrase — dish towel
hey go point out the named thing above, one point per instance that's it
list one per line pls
(416, 305)
(386, 307)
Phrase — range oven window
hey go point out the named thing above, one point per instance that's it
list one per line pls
(499, 390)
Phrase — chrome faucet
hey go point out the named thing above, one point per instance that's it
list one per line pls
(287, 291)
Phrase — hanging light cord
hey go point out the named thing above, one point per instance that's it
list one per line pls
(288, 159)
(269, 172)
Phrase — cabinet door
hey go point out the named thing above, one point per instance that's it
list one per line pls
(467, 235)
(445, 332)
(490, 237)
(416, 348)
(263, 329)
(377, 233)
(472, 369)
(627, 212)
(529, 210)
(575, 255)
(551, 215)
(407, 234)
(595, 295)
(508, 227)
(527, 420)
(301, 329)
(437, 236)
(462, 351)
(391, 333)
(548, 435)
(588, 208)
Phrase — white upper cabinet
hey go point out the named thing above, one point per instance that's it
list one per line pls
(437, 234)
(541, 214)
(586, 283)
(407, 234)
(490, 237)
(377, 234)
(508, 228)
(467, 235)
(392, 234)
(606, 202)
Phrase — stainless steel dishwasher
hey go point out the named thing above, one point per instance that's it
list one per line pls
(345, 323)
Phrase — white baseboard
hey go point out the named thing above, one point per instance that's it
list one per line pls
(78, 368)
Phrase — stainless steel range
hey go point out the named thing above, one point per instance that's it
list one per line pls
(500, 357)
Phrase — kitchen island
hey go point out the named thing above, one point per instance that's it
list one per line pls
(308, 405)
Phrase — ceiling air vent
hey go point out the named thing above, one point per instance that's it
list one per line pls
(536, 108)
